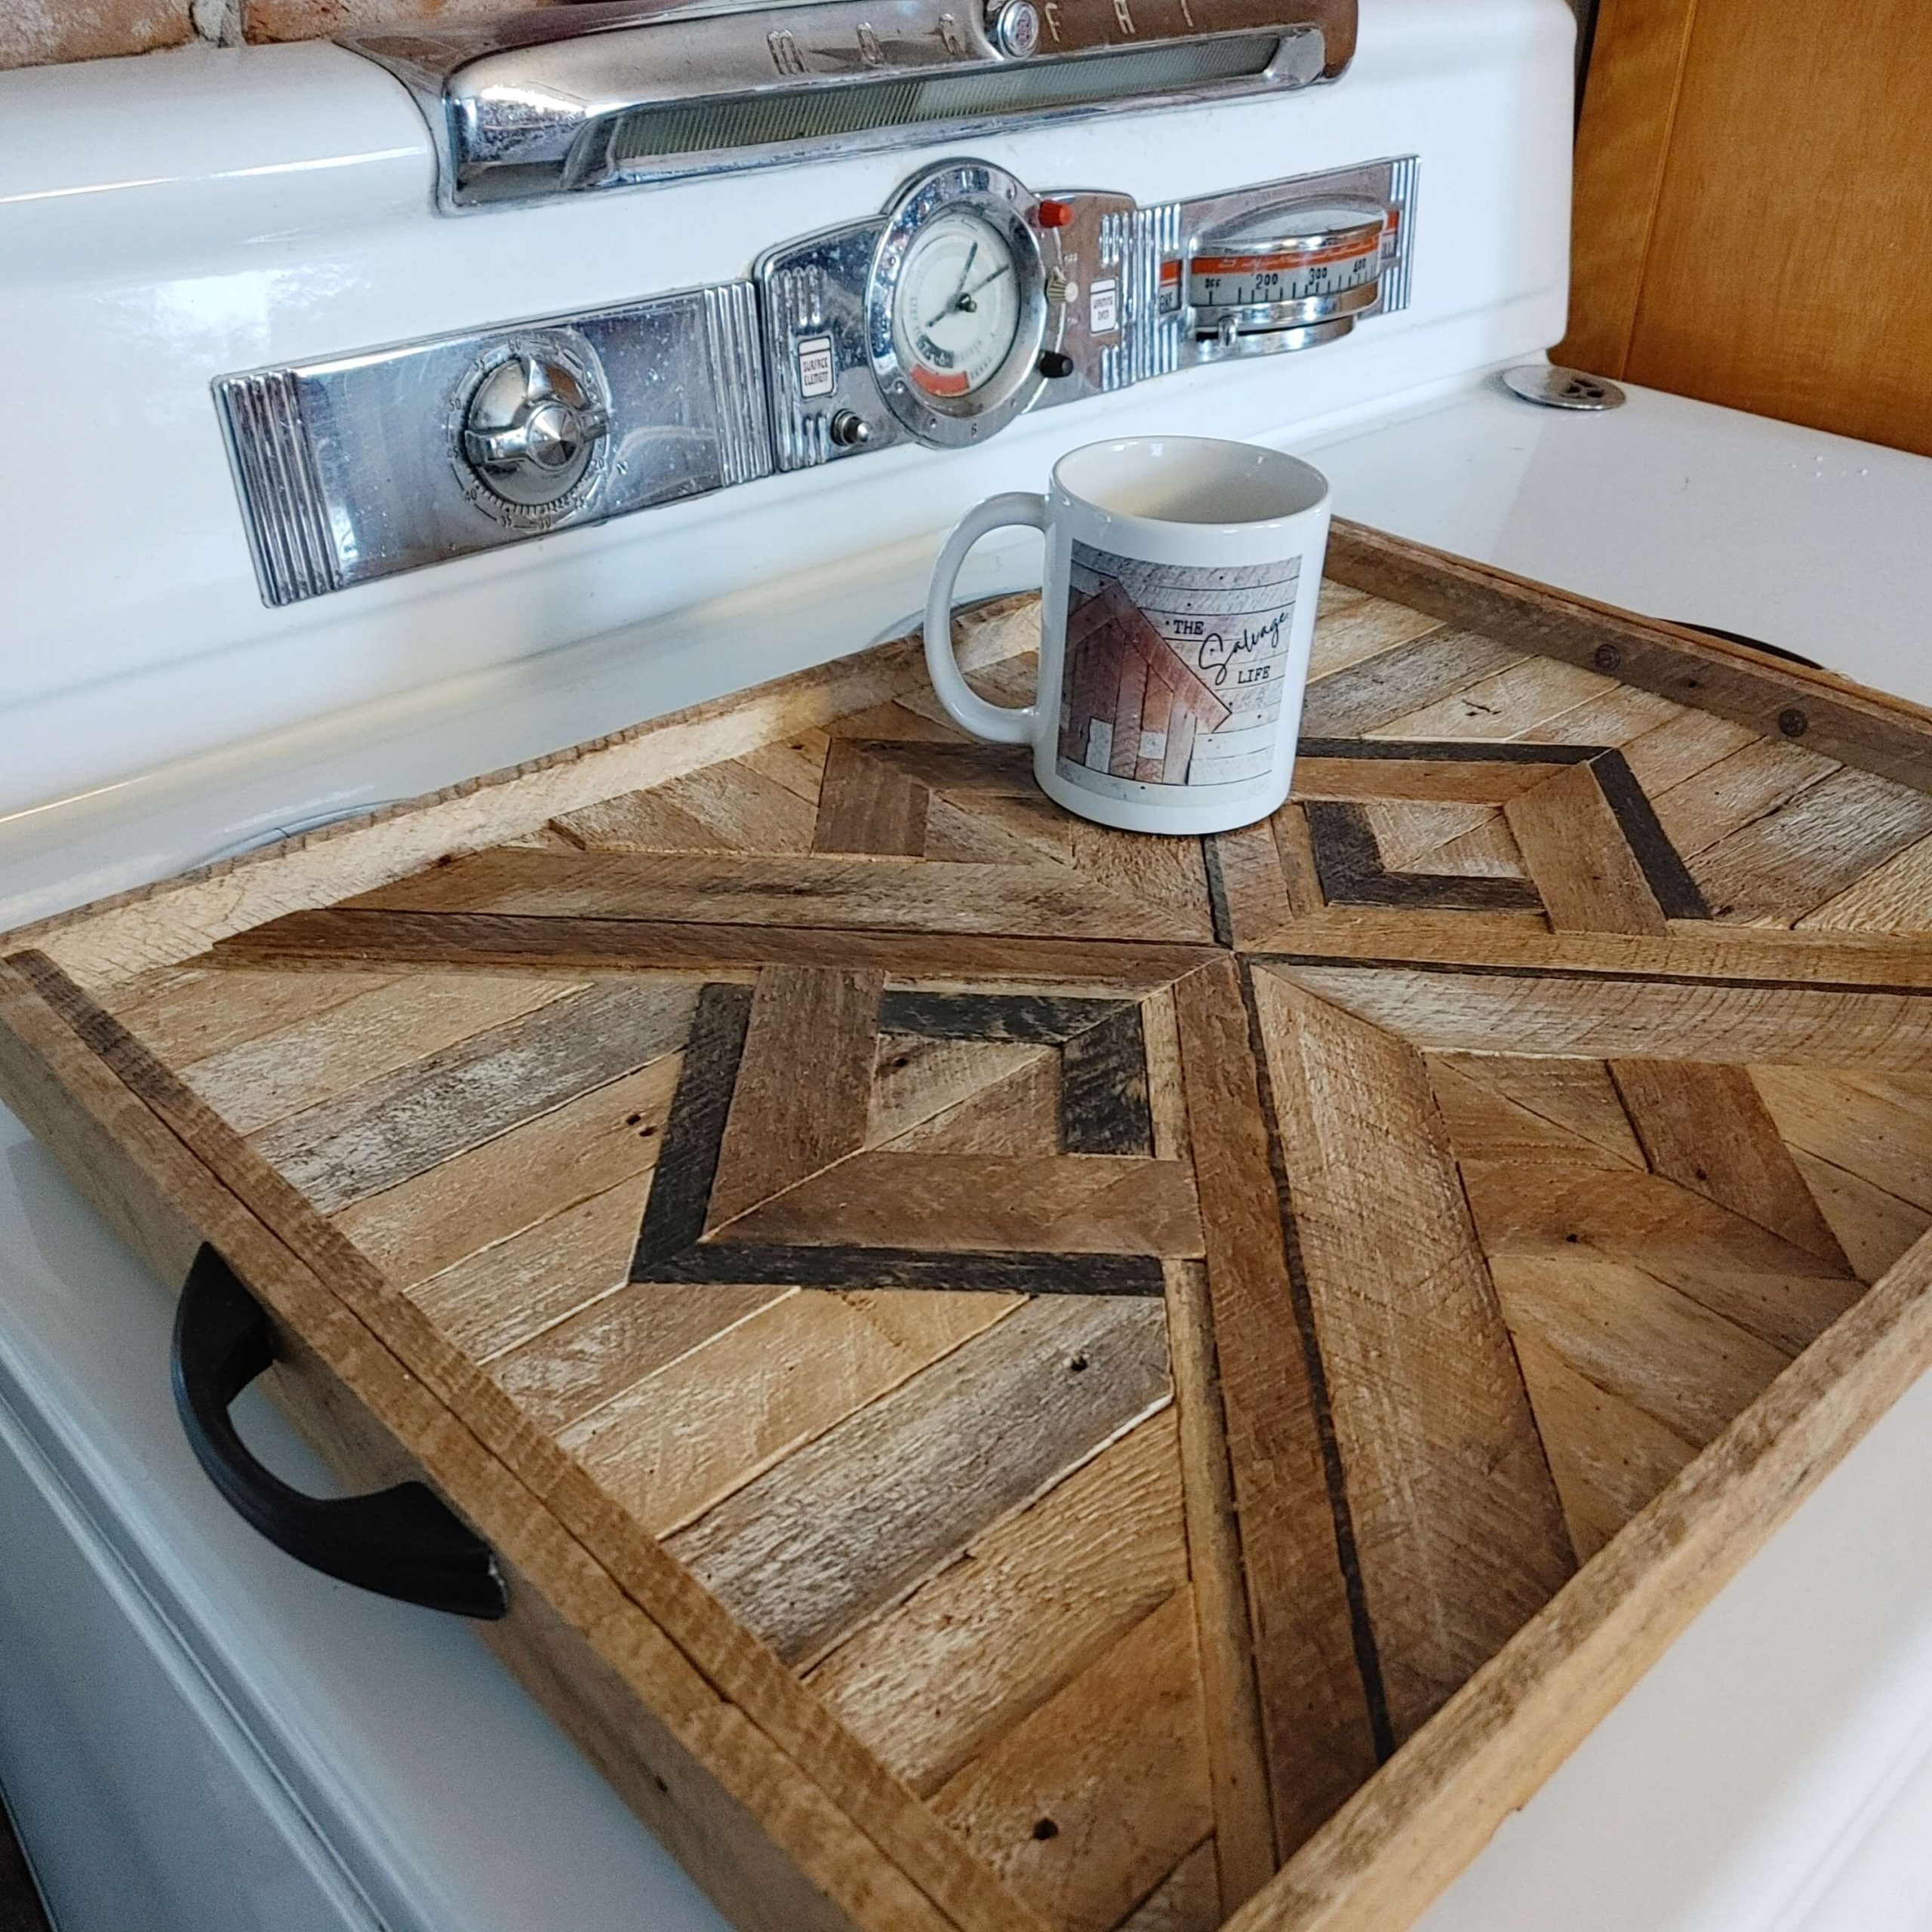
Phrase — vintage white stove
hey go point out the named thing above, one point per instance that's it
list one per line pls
(393, 414)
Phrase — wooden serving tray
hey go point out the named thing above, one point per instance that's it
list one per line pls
(1025, 1378)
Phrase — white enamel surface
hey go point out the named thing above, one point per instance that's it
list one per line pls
(1675, 508)
(187, 1717)
(141, 258)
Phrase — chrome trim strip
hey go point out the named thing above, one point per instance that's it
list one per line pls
(282, 495)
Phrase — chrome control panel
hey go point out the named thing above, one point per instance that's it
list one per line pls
(968, 301)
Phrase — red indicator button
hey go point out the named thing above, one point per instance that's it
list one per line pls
(1053, 214)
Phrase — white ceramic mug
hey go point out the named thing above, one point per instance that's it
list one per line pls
(1182, 576)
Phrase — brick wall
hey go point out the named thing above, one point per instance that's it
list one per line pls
(35, 31)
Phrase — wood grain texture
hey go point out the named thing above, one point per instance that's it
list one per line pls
(1459, 1530)
(1586, 875)
(865, 1513)
(1024, 1609)
(1317, 1726)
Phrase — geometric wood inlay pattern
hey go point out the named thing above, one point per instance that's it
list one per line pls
(1019, 1369)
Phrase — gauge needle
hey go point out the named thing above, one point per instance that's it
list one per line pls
(959, 293)
(984, 282)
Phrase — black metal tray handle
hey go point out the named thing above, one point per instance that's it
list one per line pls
(404, 1542)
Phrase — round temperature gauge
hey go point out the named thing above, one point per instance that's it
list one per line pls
(957, 308)
(1305, 268)
(956, 305)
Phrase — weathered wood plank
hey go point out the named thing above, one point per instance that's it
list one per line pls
(861, 1516)
(1071, 1203)
(868, 804)
(866, 894)
(933, 1683)
(1352, 702)
(682, 1435)
(1496, 1106)
(1588, 878)
(1316, 1713)
(1187, 1900)
(403, 1123)
(804, 1084)
(1604, 1016)
(1706, 1128)
(1091, 1800)
(264, 1079)
(1563, 1214)
(494, 942)
(190, 1012)
(985, 1097)
(1459, 1531)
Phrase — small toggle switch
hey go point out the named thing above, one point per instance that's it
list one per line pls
(849, 430)
(1055, 363)
(1053, 215)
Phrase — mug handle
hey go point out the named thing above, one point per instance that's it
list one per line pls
(1002, 724)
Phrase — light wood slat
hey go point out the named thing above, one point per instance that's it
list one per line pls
(1879, 1133)
(1351, 702)
(1090, 1801)
(166, 1162)
(726, 806)
(1553, 1210)
(1487, 850)
(1018, 1114)
(1423, 780)
(1895, 897)
(868, 894)
(1581, 859)
(1617, 717)
(1496, 1106)
(267, 1078)
(573, 1367)
(862, 1515)
(430, 1222)
(795, 761)
(1840, 720)
(1187, 1900)
(1405, 832)
(916, 1082)
(1351, 626)
(1693, 949)
(868, 805)
(682, 1435)
(1609, 1458)
(973, 834)
(1829, 836)
(1511, 703)
(803, 1086)
(1460, 1533)
(408, 1122)
(1603, 1018)
(1706, 1128)
(1028, 1606)
(492, 942)
(1068, 1203)
(1874, 1228)
(1317, 1725)
(1237, 1756)
(1728, 794)
(1638, 1338)
(1682, 745)
(1249, 885)
(192, 1012)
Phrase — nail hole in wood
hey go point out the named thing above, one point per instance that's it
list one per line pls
(1793, 723)
(1045, 1830)
(1076, 1363)
(1606, 657)
(633, 1120)
(901, 1060)
(1573, 1237)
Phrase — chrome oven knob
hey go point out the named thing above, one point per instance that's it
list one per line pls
(531, 430)
(1013, 28)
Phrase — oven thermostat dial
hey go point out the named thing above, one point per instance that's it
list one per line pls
(1289, 275)
(531, 430)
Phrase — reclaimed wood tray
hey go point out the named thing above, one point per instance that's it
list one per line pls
(1025, 1377)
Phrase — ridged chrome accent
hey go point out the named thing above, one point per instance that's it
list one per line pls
(282, 501)
(737, 370)
(1398, 252)
(1134, 246)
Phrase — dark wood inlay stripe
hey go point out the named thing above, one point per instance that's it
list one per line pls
(746, 1263)
(1103, 1088)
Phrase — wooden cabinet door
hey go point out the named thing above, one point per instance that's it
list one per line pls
(1753, 209)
